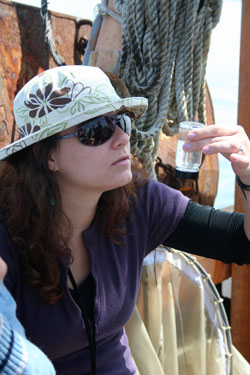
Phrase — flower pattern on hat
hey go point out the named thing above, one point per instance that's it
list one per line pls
(43, 103)
(77, 89)
(28, 129)
(62, 97)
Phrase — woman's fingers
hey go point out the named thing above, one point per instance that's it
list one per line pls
(216, 138)
(231, 141)
(213, 131)
(208, 146)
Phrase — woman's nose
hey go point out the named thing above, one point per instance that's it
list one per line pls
(120, 137)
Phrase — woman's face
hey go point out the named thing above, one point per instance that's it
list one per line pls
(95, 168)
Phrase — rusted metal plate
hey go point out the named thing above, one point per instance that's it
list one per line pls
(24, 54)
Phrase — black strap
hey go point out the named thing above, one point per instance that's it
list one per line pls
(90, 326)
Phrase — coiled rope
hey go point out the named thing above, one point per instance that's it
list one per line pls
(48, 34)
(164, 54)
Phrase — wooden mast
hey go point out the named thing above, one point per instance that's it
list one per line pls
(240, 305)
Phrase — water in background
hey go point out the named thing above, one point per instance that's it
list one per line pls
(222, 77)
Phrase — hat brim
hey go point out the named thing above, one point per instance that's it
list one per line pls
(136, 105)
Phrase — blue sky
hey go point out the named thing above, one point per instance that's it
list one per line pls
(77, 8)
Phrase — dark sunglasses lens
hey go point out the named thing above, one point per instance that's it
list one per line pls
(97, 131)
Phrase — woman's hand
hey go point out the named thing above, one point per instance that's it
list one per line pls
(230, 140)
(3, 269)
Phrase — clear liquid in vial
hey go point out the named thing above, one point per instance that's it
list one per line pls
(187, 161)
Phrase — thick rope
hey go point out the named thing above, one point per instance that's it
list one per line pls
(48, 34)
(164, 55)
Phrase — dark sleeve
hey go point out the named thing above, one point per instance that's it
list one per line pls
(211, 233)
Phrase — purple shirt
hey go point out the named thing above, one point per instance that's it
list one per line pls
(59, 329)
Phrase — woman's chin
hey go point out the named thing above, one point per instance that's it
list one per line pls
(121, 180)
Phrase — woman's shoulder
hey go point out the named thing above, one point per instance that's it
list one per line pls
(157, 200)
(153, 189)
(159, 210)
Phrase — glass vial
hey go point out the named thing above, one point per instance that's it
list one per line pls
(187, 163)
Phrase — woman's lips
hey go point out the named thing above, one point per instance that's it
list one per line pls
(124, 160)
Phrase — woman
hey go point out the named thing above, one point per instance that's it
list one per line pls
(17, 355)
(77, 222)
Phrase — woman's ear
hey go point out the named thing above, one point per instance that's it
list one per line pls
(52, 163)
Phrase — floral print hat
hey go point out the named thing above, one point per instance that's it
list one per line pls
(62, 97)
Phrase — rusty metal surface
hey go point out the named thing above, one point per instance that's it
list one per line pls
(23, 52)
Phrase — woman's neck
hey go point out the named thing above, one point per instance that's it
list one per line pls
(80, 208)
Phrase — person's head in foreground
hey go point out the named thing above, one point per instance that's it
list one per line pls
(73, 147)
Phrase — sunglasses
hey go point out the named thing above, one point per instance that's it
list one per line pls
(99, 130)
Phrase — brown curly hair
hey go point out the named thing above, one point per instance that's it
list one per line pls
(31, 208)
